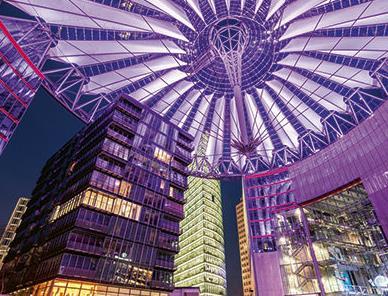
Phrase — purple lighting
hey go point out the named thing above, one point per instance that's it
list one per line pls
(268, 82)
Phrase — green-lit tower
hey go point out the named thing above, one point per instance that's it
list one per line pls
(201, 260)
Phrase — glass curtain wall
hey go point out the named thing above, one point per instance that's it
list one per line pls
(333, 247)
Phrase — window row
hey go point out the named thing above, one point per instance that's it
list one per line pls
(116, 149)
(100, 201)
(78, 262)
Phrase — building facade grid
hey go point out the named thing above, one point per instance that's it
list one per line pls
(201, 259)
(107, 206)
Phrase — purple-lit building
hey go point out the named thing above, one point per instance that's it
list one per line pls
(319, 226)
(105, 212)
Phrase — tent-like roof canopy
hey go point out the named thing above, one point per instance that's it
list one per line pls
(294, 77)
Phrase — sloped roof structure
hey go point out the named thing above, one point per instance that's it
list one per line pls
(259, 83)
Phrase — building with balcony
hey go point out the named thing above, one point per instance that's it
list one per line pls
(201, 258)
(9, 232)
(245, 258)
(104, 215)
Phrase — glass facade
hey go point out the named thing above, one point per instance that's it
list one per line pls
(61, 287)
(245, 258)
(331, 245)
(334, 246)
(265, 194)
(107, 206)
(201, 259)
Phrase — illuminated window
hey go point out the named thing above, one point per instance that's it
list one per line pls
(116, 149)
(61, 287)
(71, 167)
(101, 201)
(125, 188)
(162, 155)
(171, 191)
(162, 184)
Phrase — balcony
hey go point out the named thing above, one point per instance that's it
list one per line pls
(169, 227)
(162, 285)
(128, 109)
(165, 264)
(85, 248)
(92, 225)
(174, 209)
(122, 121)
(187, 144)
(73, 271)
(111, 168)
(181, 182)
(120, 138)
(183, 154)
(168, 245)
(177, 165)
(179, 197)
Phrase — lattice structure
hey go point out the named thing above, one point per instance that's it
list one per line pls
(307, 71)
(334, 246)
(265, 195)
(230, 38)
(23, 45)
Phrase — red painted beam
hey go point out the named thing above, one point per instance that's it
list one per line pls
(9, 115)
(269, 184)
(6, 86)
(4, 138)
(268, 173)
(270, 195)
(18, 74)
(21, 51)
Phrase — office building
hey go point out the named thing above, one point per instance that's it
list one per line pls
(245, 257)
(9, 232)
(201, 258)
(104, 215)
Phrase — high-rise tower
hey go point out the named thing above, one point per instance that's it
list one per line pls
(201, 259)
(104, 215)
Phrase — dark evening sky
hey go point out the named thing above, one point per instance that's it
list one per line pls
(44, 129)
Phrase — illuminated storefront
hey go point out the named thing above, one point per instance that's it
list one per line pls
(63, 287)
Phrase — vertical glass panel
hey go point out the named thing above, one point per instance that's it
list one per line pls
(348, 242)
(125, 188)
(58, 291)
